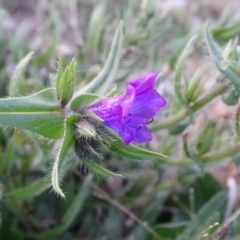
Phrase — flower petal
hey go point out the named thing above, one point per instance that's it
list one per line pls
(126, 133)
(147, 104)
(142, 135)
(108, 109)
(128, 99)
(133, 121)
(145, 83)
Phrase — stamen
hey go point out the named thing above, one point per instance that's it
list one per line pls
(149, 121)
(140, 126)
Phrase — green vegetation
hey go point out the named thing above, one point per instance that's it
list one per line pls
(59, 56)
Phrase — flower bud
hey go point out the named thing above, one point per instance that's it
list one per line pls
(90, 140)
(64, 81)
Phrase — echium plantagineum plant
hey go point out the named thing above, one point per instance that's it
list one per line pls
(88, 119)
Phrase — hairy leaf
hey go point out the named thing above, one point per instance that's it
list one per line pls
(38, 113)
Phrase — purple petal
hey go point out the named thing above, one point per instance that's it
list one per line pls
(126, 133)
(142, 135)
(128, 100)
(108, 109)
(133, 121)
(147, 104)
(145, 83)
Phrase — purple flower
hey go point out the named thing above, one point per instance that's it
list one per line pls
(129, 114)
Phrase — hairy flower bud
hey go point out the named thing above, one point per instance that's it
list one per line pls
(90, 140)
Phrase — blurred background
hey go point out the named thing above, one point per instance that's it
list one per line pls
(196, 195)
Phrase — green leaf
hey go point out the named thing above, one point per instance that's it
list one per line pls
(133, 152)
(206, 138)
(101, 83)
(44, 57)
(83, 100)
(193, 92)
(6, 158)
(210, 227)
(59, 74)
(72, 212)
(96, 26)
(225, 33)
(179, 70)
(223, 65)
(101, 170)
(17, 75)
(231, 97)
(65, 81)
(76, 205)
(215, 204)
(30, 191)
(38, 113)
(169, 231)
(180, 127)
(68, 140)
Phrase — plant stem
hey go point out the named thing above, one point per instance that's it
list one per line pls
(172, 120)
(230, 151)
(211, 157)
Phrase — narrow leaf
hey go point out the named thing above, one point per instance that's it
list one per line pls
(65, 81)
(133, 152)
(225, 33)
(206, 138)
(170, 230)
(38, 113)
(179, 127)
(101, 170)
(231, 97)
(72, 212)
(17, 75)
(100, 84)
(59, 73)
(30, 191)
(222, 64)
(215, 204)
(76, 205)
(68, 139)
(96, 26)
(179, 70)
(6, 158)
(83, 100)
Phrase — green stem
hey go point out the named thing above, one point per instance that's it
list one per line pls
(228, 152)
(220, 89)
(211, 157)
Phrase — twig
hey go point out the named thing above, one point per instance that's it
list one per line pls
(105, 196)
